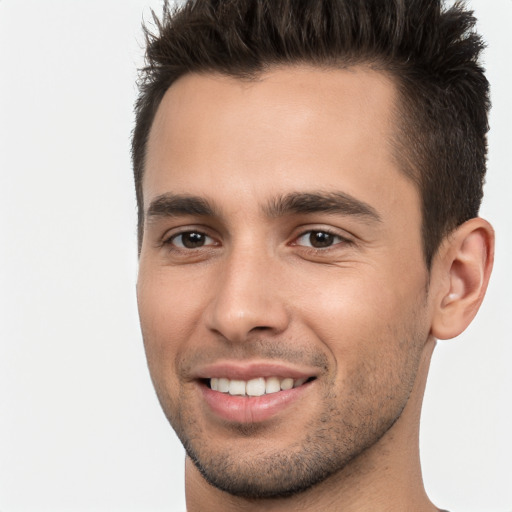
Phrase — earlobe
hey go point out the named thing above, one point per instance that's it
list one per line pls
(464, 265)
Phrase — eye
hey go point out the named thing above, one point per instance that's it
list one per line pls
(319, 239)
(190, 240)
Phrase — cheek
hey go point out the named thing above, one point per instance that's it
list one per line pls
(365, 315)
(167, 305)
(375, 338)
(167, 318)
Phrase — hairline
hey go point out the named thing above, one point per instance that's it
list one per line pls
(400, 118)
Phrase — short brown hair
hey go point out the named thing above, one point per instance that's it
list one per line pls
(432, 53)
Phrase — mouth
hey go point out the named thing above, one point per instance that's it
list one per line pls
(255, 387)
(246, 392)
(253, 394)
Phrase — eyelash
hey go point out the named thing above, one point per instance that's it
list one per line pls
(171, 240)
(340, 240)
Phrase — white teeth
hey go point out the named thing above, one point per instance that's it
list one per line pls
(299, 382)
(223, 385)
(254, 387)
(237, 387)
(286, 384)
(272, 385)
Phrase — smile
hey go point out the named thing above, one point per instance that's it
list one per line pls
(255, 387)
(240, 403)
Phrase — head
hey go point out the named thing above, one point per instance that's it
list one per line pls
(430, 54)
(307, 178)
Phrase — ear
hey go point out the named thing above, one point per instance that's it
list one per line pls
(461, 272)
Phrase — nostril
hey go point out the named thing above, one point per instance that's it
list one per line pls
(234, 316)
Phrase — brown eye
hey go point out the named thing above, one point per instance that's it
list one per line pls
(191, 240)
(319, 239)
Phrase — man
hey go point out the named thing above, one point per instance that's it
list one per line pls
(308, 177)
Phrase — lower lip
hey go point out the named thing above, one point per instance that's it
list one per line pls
(251, 409)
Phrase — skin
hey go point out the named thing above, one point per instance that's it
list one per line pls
(359, 313)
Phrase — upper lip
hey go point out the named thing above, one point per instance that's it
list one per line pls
(247, 370)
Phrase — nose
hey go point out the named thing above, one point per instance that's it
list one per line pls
(248, 297)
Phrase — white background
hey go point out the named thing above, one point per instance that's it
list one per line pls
(80, 427)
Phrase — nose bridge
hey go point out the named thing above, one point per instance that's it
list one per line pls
(248, 296)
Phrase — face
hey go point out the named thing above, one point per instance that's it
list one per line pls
(282, 285)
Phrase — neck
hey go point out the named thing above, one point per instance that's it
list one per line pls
(386, 477)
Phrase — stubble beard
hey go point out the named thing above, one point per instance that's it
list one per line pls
(329, 443)
(371, 399)
(321, 453)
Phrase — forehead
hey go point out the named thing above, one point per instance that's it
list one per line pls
(290, 129)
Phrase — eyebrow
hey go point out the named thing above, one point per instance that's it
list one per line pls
(321, 202)
(175, 205)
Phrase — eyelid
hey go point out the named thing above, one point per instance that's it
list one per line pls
(181, 246)
(304, 230)
(171, 234)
